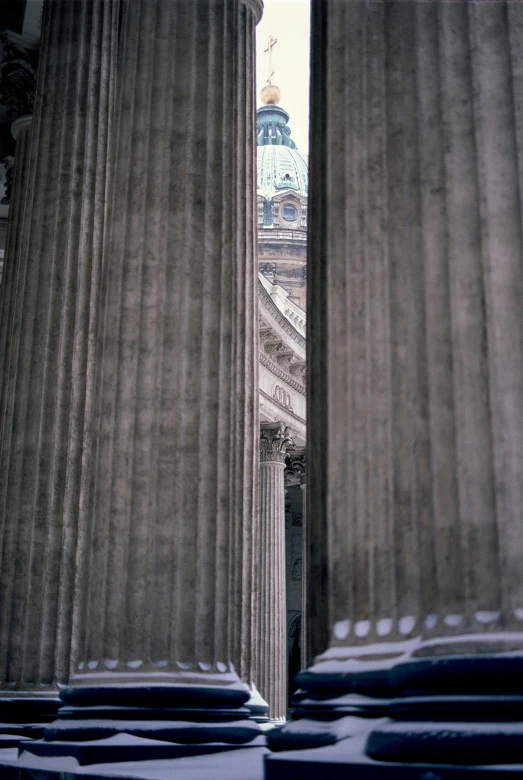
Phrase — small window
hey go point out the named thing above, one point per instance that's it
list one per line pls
(268, 212)
(289, 213)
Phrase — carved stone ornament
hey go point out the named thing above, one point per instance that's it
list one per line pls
(298, 368)
(283, 397)
(267, 334)
(296, 464)
(275, 440)
(273, 347)
(17, 73)
(8, 162)
(286, 358)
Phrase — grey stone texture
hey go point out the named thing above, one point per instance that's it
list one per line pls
(275, 440)
(167, 574)
(48, 322)
(415, 329)
(128, 362)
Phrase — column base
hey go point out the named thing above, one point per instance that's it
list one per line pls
(123, 748)
(25, 716)
(448, 714)
(137, 722)
(257, 705)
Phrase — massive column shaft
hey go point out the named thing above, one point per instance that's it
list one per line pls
(416, 394)
(173, 495)
(47, 326)
(421, 395)
(272, 626)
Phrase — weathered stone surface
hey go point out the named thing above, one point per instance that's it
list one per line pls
(47, 329)
(160, 554)
(416, 245)
(416, 398)
(173, 493)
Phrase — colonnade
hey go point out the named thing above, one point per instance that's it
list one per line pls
(129, 377)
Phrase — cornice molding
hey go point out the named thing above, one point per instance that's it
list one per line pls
(281, 374)
(280, 318)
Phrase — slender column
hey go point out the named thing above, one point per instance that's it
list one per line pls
(297, 464)
(274, 442)
(305, 553)
(173, 494)
(47, 326)
(416, 340)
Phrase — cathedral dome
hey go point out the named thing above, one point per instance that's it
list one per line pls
(281, 168)
(280, 165)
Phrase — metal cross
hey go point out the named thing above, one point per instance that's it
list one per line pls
(268, 50)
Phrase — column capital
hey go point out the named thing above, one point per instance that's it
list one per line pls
(17, 87)
(18, 73)
(296, 471)
(256, 7)
(275, 440)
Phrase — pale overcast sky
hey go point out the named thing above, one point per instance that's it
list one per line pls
(289, 22)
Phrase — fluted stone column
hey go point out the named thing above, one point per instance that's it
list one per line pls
(424, 447)
(275, 439)
(21, 132)
(160, 600)
(47, 328)
(416, 376)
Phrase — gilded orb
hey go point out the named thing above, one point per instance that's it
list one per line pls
(270, 95)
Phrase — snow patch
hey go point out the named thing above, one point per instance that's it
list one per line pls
(342, 629)
(431, 620)
(362, 628)
(484, 616)
(453, 619)
(384, 626)
(406, 624)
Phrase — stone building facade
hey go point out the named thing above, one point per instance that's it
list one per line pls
(282, 185)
